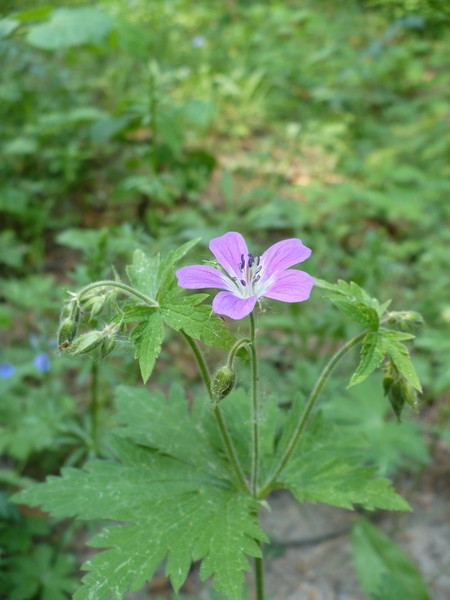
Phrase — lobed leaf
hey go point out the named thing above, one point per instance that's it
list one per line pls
(148, 337)
(333, 474)
(143, 273)
(372, 353)
(166, 277)
(198, 321)
(384, 570)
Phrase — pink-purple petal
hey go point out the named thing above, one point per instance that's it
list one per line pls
(290, 286)
(229, 305)
(228, 250)
(283, 255)
(201, 276)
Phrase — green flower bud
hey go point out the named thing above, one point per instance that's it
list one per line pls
(66, 333)
(406, 320)
(70, 317)
(87, 342)
(223, 383)
(108, 345)
(399, 392)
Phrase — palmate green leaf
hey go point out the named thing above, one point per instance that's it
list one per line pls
(166, 277)
(366, 316)
(176, 505)
(400, 355)
(143, 273)
(384, 570)
(156, 422)
(375, 347)
(197, 320)
(372, 353)
(148, 337)
(70, 27)
(333, 474)
(355, 302)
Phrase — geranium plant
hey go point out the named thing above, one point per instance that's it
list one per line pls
(188, 483)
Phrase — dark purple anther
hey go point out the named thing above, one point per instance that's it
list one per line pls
(251, 260)
(242, 264)
(258, 270)
(258, 258)
(257, 278)
(243, 282)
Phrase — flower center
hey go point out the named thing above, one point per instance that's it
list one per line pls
(250, 273)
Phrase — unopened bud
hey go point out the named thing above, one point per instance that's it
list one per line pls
(223, 383)
(406, 320)
(108, 345)
(399, 392)
(66, 333)
(87, 342)
(70, 317)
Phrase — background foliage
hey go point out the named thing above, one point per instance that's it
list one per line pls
(129, 124)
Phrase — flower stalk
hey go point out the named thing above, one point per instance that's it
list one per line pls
(307, 412)
(229, 446)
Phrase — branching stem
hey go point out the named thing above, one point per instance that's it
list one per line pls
(307, 412)
(229, 445)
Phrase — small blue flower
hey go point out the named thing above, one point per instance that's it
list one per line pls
(42, 362)
(198, 41)
(7, 370)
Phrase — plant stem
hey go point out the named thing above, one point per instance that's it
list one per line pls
(95, 406)
(259, 577)
(229, 446)
(235, 349)
(308, 408)
(255, 408)
(127, 289)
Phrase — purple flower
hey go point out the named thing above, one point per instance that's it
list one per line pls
(42, 362)
(6, 370)
(247, 277)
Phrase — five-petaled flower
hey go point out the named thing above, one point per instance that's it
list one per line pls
(246, 277)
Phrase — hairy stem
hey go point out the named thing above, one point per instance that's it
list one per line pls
(307, 412)
(235, 349)
(229, 445)
(95, 407)
(255, 408)
(259, 578)
(127, 289)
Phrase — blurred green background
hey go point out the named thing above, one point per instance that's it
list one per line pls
(142, 124)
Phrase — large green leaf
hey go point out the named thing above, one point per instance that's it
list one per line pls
(69, 27)
(384, 570)
(333, 474)
(176, 505)
(156, 422)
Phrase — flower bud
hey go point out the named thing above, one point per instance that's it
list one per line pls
(87, 342)
(406, 320)
(108, 345)
(66, 333)
(70, 317)
(399, 392)
(223, 383)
